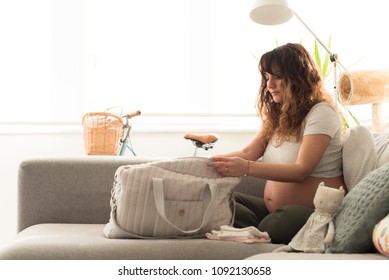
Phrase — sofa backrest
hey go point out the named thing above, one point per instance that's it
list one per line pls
(77, 189)
(67, 190)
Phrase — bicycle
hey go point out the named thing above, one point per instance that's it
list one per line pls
(125, 141)
(203, 141)
(108, 132)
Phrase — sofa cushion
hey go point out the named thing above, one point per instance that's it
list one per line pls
(87, 242)
(359, 155)
(315, 256)
(362, 208)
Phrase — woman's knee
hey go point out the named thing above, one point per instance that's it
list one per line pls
(244, 217)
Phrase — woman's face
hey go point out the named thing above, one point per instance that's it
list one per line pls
(275, 86)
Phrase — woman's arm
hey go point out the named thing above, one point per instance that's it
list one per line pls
(253, 151)
(311, 151)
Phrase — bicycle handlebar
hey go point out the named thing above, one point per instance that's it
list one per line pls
(131, 115)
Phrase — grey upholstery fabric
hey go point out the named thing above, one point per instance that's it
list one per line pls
(67, 190)
(86, 241)
(302, 256)
(78, 189)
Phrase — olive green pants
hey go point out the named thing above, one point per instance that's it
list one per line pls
(281, 225)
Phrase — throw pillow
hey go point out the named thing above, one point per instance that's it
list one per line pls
(381, 236)
(359, 155)
(362, 208)
(381, 141)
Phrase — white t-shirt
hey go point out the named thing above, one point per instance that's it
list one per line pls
(322, 119)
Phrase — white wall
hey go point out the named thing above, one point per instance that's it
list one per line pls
(23, 142)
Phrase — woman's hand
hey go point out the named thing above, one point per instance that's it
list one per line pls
(229, 166)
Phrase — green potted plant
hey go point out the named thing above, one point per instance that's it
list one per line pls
(323, 63)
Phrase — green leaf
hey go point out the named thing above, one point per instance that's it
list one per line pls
(352, 115)
(316, 55)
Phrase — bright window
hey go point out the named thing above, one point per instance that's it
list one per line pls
(60, 59)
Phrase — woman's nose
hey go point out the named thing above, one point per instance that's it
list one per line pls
(270, 82)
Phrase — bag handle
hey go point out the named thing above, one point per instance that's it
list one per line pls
(159, 199)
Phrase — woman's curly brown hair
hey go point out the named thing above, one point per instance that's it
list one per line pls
(303, 88)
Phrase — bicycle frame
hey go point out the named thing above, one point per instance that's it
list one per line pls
(125, 142)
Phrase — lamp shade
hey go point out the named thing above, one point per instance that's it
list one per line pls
(271, 12)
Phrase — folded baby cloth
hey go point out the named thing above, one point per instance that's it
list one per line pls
(246, 235)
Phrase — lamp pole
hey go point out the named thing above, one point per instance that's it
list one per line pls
(333, 56)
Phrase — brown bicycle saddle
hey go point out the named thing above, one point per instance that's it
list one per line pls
(202, 138)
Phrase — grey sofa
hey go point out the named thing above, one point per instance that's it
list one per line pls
(63, 205)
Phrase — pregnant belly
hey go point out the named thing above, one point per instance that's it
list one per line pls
(278, 194)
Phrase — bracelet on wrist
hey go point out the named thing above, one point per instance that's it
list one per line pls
(248, 169)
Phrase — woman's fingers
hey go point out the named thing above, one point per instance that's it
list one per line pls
(226, 166)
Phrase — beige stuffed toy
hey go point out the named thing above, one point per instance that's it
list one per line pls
(319, 229)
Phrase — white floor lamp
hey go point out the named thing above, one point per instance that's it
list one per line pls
(273, 12)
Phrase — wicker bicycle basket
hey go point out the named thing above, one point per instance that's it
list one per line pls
(102, 132)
